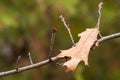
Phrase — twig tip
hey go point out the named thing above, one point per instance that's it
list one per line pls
(29, 53)
(30, 58)
(61, 16)
(100, 4)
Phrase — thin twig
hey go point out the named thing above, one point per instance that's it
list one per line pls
(52, 43)
(39, 64)
(100, 35)
(99, 18)
(17, 63)
(99, 15)
(67, 27)
(30, 58)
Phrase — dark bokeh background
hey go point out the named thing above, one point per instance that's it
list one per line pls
(25, 26)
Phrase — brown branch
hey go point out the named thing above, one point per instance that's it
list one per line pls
(39, 64)
(25, 68)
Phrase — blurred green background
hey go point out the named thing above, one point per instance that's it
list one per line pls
(25, 26)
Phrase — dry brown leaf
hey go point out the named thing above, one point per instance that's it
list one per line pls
(80, 52)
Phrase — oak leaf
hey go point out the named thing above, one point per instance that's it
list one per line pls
(80, 52)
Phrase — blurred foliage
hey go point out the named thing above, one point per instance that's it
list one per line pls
(25, 26)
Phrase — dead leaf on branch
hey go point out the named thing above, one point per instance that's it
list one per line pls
(81, 51)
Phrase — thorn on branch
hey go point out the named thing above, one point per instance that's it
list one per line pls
(30, 58)
(67, 27)
(52, 44)
(17, 63)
